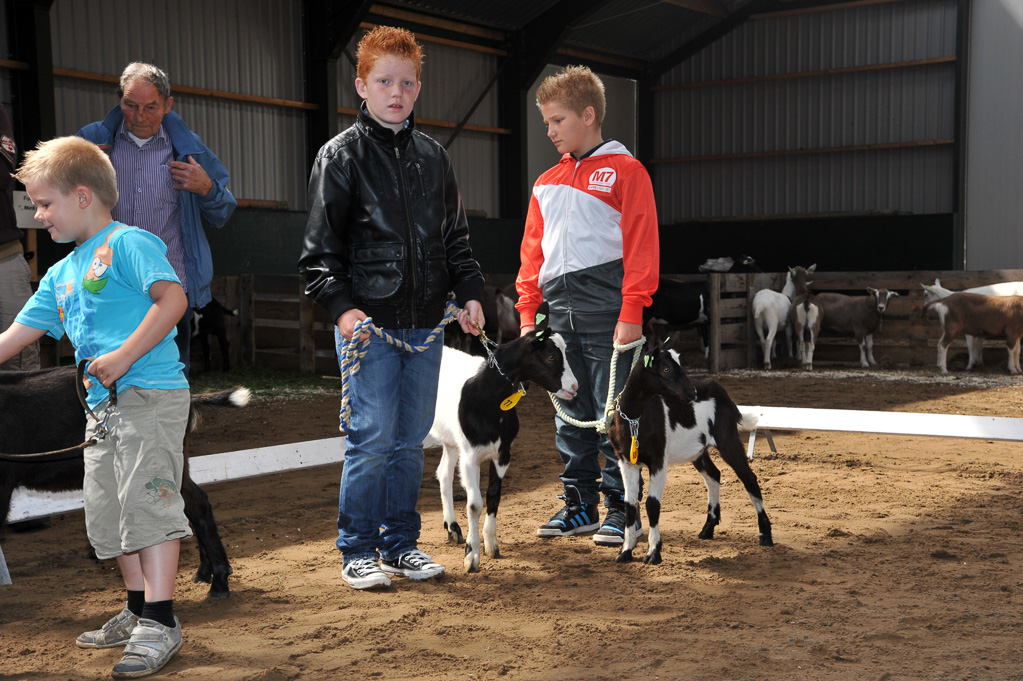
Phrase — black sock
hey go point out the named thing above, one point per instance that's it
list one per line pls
(136, 599)
(159, 611)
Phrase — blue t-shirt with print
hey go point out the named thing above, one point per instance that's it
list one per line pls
(99, 294)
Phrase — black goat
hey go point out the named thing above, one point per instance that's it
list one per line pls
(40, 412)
(211, 320)
(677, 421)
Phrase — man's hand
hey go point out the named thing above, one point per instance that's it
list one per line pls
(471, 317)
(190, 177)
(346, 324)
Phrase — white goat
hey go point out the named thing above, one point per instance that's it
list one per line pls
(771, 314)
(806, 316)
(974, 344)
(983, 316)
(856, 315)
(475, 421)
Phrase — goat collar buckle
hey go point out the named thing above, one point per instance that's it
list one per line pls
(509, 402)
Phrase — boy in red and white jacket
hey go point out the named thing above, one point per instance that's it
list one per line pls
(590, 249)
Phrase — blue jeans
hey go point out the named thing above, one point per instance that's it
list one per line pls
(393, 397)
(589, 355)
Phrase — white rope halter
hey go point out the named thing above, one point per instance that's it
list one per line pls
(602, 424)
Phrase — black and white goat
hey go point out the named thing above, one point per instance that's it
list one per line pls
(476, 422)
(858, 316)
(806, 316)
(40, 412)
(678, 305)
(663, 418)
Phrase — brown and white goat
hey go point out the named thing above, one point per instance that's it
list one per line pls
(664, 418)
(972, 314)
(806, 316)
(859, 316)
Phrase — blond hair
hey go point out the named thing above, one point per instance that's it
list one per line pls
(575, 87)
(387, 40)
(69, 162)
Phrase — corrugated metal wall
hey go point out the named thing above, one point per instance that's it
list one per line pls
(453, 78)
(249, 47)
(774, 118)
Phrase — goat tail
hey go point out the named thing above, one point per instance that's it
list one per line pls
(748, 421)
(235, 398)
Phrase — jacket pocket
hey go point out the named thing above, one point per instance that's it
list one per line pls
(438, 283)
(377, 271)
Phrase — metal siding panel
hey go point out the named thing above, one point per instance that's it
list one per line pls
(250, 47)
(866, 108)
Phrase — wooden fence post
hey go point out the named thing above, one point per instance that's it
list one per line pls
(714, 312)
(306, 321)
(247, 315)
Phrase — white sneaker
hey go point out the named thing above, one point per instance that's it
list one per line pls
(364, 573)
(414, 564)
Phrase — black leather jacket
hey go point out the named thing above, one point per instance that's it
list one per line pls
(386, 232)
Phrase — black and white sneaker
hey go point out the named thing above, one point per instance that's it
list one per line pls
(574, 518)
(612, 531)
(364, 573)
(414, 564)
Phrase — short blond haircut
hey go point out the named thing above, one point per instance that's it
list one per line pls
(69, 162)
(575, 87)
(387, 40)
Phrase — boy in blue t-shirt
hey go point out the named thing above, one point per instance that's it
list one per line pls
(118, 300)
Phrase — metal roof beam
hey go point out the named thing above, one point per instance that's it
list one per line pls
(710, 36)
(538, 40)
(711, 7)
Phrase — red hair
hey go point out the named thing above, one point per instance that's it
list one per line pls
(387, 40)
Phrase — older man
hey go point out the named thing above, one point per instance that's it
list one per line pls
(15, 276)
(168, 181)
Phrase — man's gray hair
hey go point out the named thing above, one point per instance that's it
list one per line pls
(153, 75)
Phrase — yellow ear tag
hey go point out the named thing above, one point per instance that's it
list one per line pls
(510, 402)
(634, 451)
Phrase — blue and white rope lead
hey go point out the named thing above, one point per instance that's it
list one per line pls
(355, 350)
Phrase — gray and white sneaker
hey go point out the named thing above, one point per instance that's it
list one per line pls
(364, 573)
(150, 648)
(115, 632)
(413, 564)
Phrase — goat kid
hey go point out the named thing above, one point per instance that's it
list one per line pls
(210, 320)
(980, 316)
(476, 423)
(806, 316)
(678, 421)
(974, 344)
(858, 316)
(678, 305)
(771, 315)
(40, 412)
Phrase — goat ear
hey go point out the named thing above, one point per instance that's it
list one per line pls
(871, 290)
(542, 318)
(811, 268)
(893, 294)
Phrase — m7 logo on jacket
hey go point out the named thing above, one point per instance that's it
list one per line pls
(602, 179)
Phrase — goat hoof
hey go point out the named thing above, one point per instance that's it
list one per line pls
(707, 533)
(495, 553)
(202, 575)
(454, 533)
(215, 595)
(624, 557)
(765, 540)
(652, 559)
(471, 563)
